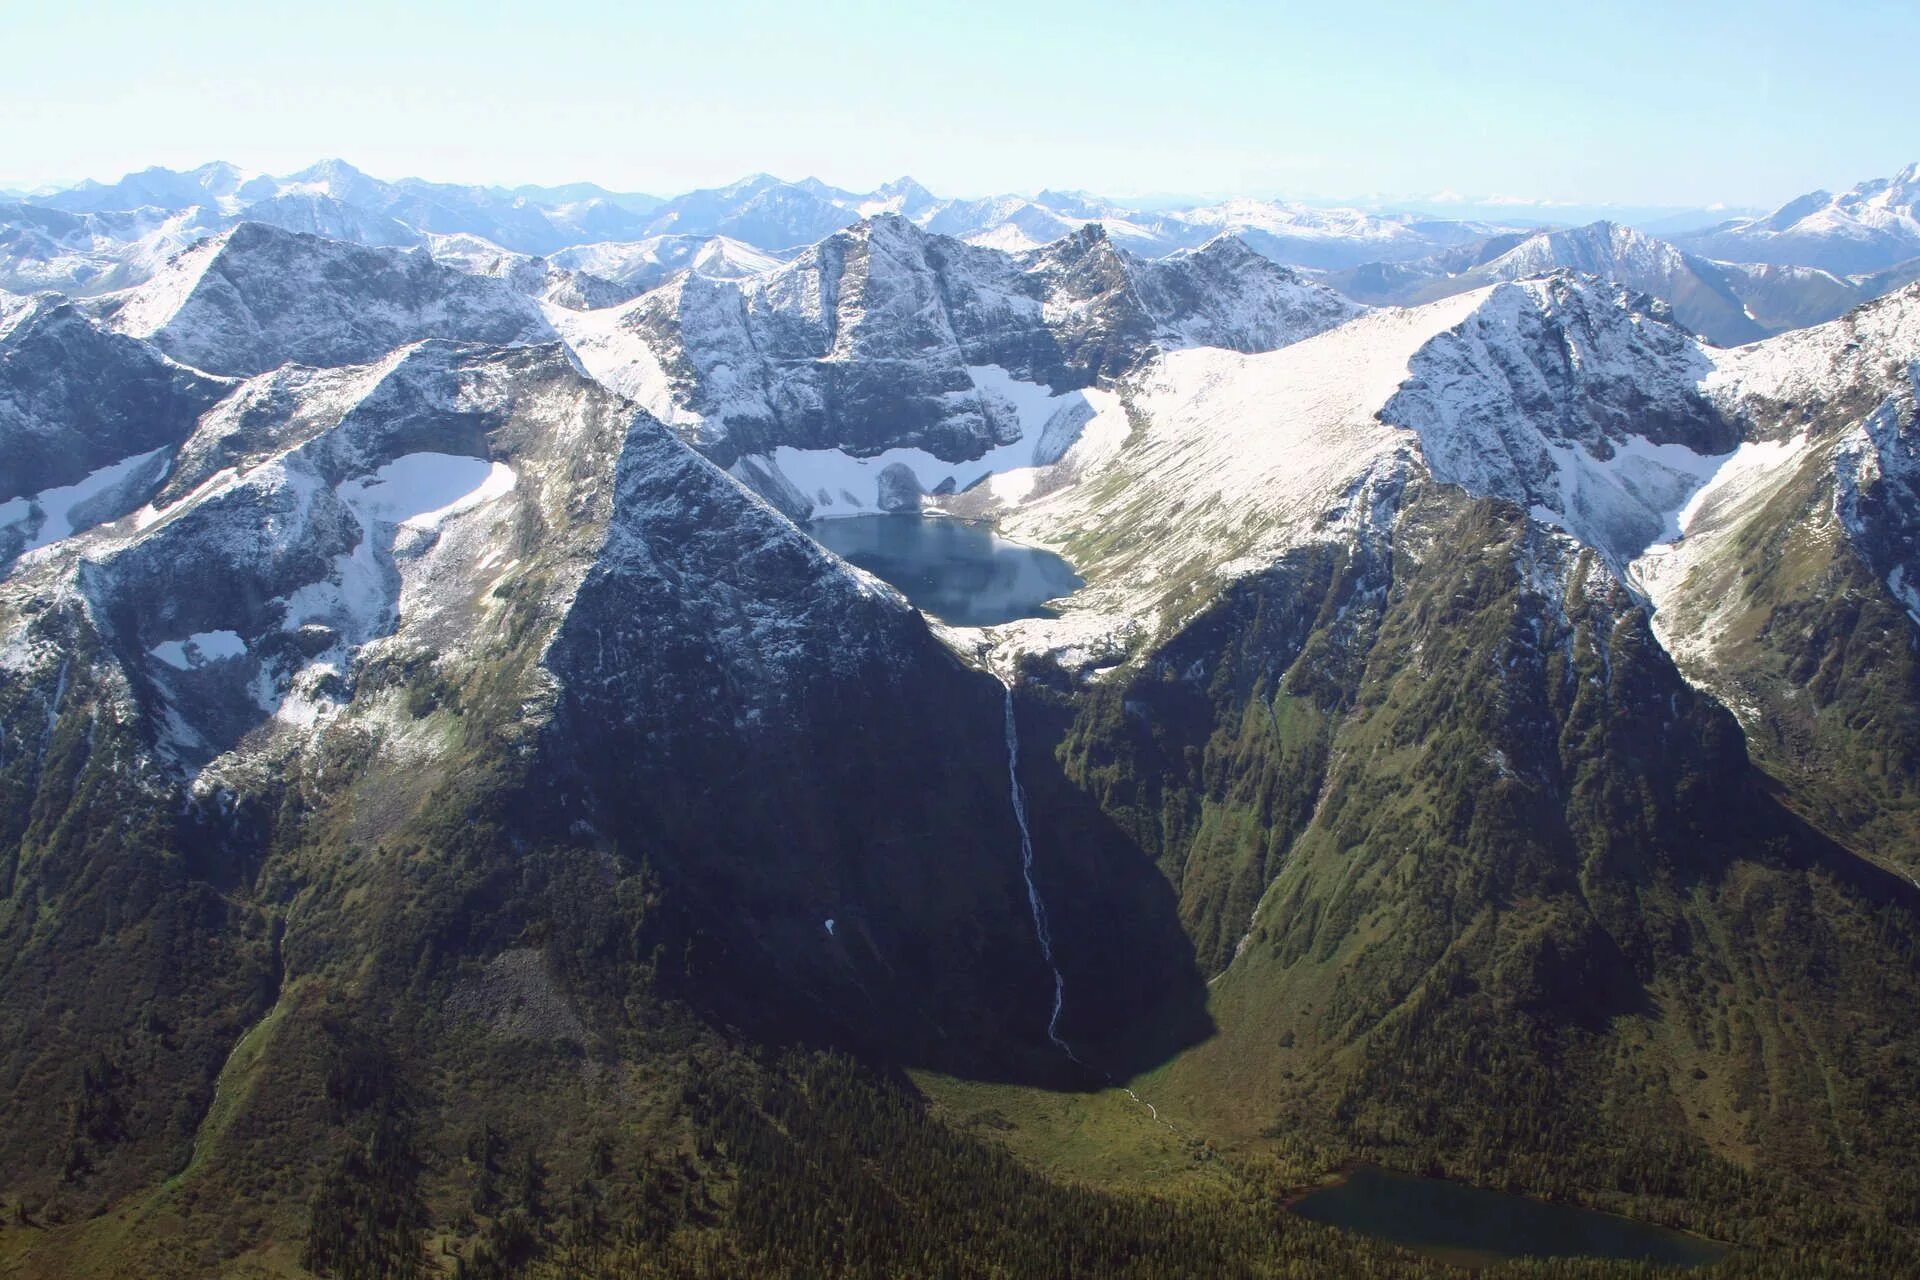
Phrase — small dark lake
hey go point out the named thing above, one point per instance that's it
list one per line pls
(957, 570)
(1468, 1226)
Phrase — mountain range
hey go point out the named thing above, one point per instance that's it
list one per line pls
(760, 210)
(1728, 303)
(1810, 261)
(1870, 228)
(455, 819)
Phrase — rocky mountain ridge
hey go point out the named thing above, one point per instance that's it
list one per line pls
(886, 343)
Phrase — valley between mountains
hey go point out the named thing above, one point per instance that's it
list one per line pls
(455, 819)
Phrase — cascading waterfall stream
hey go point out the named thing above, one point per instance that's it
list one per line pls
(1039, 909)
(1034, 902)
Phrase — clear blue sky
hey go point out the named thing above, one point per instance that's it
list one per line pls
(1619, 100)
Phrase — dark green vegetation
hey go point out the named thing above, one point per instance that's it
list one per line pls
(1827, 659)
(1529, 916)
(1488, 890)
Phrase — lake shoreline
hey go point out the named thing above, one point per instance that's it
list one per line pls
(960, 571)
(1387, 1204)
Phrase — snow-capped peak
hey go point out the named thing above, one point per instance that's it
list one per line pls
(1874, 225)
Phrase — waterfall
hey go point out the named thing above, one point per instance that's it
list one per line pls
(1038, 907)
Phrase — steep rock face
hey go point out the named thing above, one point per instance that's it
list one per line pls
(1580, 401)
(408, 659)
(871, 339)
(75, 397)
(862, 341)
(257, 297)
(787, 746)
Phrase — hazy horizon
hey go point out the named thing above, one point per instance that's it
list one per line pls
(1497, 101)
(1137, 198)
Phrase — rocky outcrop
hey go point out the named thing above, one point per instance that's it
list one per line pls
(865, 341)
(76, 397)
(258, 297)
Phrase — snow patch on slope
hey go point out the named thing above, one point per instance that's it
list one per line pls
(606, 348)
(102, 495)
(1598, 495)
(402, 504)
(419, 490)
(1089, 425)
(1688, 620)
(199, 649)
(1241, 458)
(414, 492)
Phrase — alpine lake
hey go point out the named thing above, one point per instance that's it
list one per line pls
(960, 571)
(1471, 1227)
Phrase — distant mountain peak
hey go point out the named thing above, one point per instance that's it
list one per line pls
(753, 182)
(333, 167)
(1870, 227)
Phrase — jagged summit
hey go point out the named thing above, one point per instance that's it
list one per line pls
(257, 296)
(886, 336)
(1579, 401)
